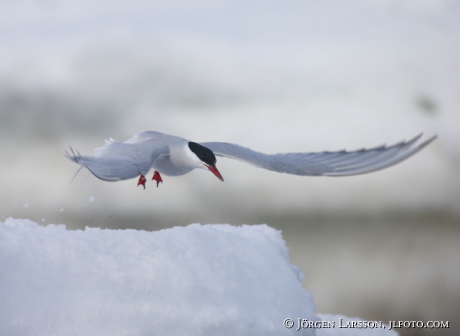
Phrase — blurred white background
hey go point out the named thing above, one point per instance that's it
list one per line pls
(275, 76)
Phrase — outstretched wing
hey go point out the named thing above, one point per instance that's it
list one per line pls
(341, 163)
(120, 160)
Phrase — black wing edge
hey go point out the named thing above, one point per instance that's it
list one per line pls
(403, 144)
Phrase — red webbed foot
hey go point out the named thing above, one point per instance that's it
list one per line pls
(141, 181)
(157, 177)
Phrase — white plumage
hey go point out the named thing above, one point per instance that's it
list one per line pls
(173, 156)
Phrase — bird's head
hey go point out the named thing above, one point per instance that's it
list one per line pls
(206, 158)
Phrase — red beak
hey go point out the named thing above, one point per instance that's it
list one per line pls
(214, 170)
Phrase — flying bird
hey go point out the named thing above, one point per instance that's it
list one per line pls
(173, 156)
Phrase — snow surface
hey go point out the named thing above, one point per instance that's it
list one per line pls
(194, 280)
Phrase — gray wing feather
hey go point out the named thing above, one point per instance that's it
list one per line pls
(340, 163)
(119, 161)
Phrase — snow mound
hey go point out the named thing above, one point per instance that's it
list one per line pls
(194, 280)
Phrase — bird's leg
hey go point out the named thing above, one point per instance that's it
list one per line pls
(157, 177)
(141, 181)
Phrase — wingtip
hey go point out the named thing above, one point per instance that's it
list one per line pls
(415, 139)
(434, 137)
(428, 141)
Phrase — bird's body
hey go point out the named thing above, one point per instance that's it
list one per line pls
(174, 156)
(175, 159)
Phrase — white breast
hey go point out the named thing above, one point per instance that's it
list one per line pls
(181, 160)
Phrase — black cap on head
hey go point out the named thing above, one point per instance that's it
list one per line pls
(203, 153)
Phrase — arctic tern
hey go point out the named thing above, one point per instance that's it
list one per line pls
(173, 156)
